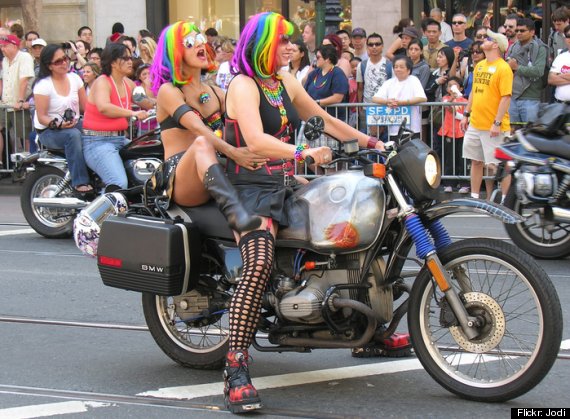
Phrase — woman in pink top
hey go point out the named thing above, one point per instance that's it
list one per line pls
(107, 113)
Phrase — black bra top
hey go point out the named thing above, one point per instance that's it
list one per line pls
(214, 121)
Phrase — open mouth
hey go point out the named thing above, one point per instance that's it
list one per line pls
(201, 53)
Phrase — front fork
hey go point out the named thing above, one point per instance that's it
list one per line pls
(426, 249)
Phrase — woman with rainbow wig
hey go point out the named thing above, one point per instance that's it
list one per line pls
(264, 107)
(190, 117)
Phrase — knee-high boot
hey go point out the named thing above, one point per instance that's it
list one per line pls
(223, 192)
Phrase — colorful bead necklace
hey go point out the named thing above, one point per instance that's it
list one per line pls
(204, 97)
(274, 97)
(324, 79)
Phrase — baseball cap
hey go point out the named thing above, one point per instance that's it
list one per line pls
(412, 32)
(39, 41)
(10, 39)
(359, 32)
(500, 39)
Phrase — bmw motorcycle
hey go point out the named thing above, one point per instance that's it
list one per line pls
(539, 160)
(484, 318)
(48, 200)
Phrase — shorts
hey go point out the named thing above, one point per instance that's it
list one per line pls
(480, 146)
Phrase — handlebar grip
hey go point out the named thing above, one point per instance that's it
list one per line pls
(309, 160)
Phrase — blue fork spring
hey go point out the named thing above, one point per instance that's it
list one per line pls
(439, 234)
(416, 229)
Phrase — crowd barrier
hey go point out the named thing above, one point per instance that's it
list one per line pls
(18, 138)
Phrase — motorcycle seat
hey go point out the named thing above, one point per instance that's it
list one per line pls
(559, 147)
(57, 152)
(210, 220)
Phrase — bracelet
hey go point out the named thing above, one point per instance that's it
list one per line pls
(299, 152)
(467, 114)
(371, 142)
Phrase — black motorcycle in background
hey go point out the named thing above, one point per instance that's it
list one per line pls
(539, 160)
(47, 199)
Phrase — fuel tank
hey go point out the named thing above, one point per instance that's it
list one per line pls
(340, 213)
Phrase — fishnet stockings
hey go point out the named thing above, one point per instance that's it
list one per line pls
(257, 254)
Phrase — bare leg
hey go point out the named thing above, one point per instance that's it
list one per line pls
(476, 176)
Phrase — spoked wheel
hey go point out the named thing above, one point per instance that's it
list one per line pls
(192, 329)
(49, 222)
(518, 315)
(537, 235)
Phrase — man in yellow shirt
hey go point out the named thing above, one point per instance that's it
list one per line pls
(486, 117)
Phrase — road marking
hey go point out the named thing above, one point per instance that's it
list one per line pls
(565, 345)
(16, 232)
(287, 380)
(49, 409)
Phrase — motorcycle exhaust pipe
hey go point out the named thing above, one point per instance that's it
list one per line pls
(339, 303)
(561, 215)
(67, 203)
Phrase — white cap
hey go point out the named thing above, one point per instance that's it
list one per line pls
(39, 41)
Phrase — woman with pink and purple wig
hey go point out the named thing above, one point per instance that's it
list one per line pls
(190, 116)
(265, 122)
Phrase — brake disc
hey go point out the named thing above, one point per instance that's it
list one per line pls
(492, 329)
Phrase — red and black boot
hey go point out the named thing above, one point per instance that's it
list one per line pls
(239, 393)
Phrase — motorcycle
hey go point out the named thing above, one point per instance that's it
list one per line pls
(47, 199)
(539, 160)
(484, 318)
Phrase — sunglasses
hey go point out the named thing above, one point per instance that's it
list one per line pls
(480, 36)
(284, 39)
(60, 61)
(567, 35)
(127, 58)
(521, 30)
(508, 26)
(458, 22)
(193, 39)
(374, 44)
(476, 52)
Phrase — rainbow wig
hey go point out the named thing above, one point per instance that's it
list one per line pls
(167, 64)
(255, 53)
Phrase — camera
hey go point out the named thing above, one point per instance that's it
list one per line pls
(68, 115)
(66, 45)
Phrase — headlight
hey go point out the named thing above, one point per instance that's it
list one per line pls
(432, 171)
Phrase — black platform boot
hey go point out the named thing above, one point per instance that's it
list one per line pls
(239, 393)
(223, 192)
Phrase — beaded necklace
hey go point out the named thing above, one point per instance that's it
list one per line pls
(324, 79)
(274, 97)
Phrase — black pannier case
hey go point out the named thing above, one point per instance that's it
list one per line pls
(149, 254)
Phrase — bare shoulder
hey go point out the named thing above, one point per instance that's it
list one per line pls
(242, 81)
(168, 91)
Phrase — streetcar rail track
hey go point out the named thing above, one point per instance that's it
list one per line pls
(563, 354)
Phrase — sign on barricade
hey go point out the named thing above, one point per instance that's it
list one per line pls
(384, 115)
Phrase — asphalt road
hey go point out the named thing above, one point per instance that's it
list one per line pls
(73, 348)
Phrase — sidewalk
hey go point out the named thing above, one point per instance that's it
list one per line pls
(7, 187)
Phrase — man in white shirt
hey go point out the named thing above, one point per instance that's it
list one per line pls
(559, 75)
(446, 32)
(16, 87)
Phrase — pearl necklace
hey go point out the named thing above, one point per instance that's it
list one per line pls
(118, 95)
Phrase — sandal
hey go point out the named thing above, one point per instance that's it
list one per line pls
(84, 188)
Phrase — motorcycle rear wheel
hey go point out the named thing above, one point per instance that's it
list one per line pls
(49, 222)
(532, 235)
(521, 322)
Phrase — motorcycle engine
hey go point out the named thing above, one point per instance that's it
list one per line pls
(535, 183)
(139, 170)
(305, 304)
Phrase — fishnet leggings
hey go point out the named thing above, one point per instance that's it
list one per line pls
(257, 254)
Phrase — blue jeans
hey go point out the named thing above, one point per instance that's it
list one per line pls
(523, 110)
(102, 156)
(70, 141)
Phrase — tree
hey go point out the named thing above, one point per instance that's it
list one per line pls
(31, 11)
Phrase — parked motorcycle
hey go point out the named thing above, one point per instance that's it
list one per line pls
(484, 318)
(539, 160)
(47, 199)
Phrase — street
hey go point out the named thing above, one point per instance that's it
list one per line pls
(73, 348)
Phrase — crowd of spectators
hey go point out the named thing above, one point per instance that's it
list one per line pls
(348, 67)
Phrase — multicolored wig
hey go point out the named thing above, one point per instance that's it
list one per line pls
(167, 64)
(255, 53)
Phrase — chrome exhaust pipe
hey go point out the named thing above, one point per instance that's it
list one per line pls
(561, 215)
(67, 203)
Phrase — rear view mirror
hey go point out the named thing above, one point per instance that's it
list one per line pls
(314, 128)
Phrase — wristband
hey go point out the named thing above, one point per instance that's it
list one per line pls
(371, 142)
(299, 152)
(467, 114)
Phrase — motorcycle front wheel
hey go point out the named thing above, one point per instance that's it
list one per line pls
(519, 315)
(182, 332)
(52, 223)
(536, 235)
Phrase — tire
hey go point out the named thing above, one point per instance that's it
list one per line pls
(550, 241)
(202, 344)
(522, 318)
(49, 222)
